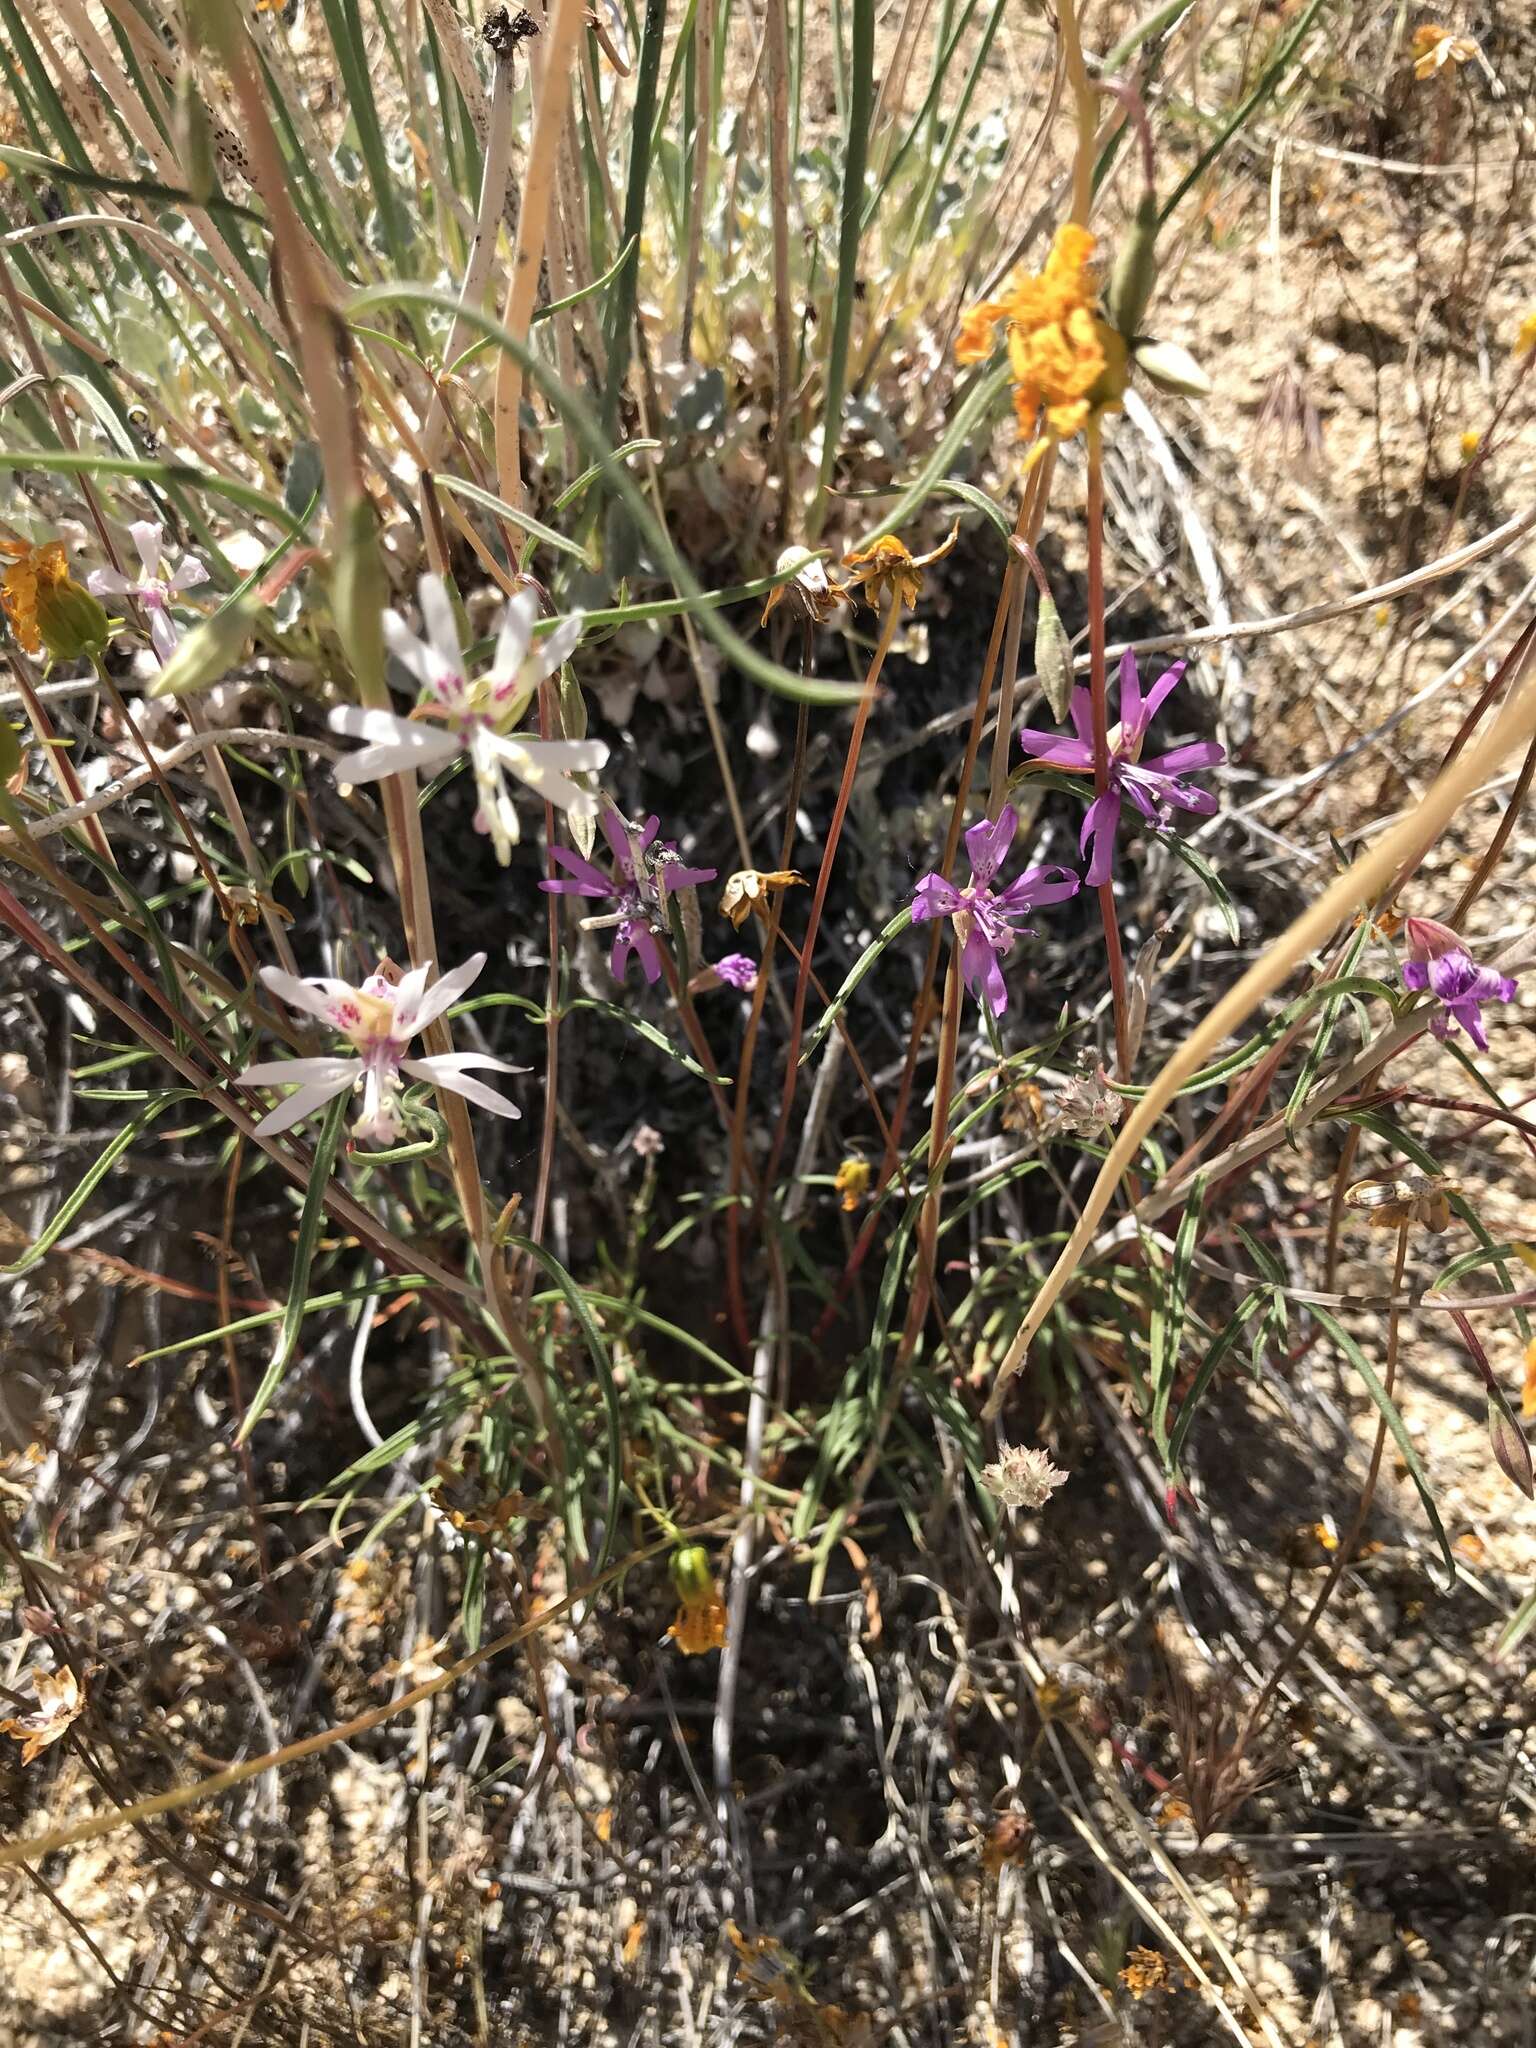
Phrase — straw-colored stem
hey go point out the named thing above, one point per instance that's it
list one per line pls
(1098, 685)
(560, 49)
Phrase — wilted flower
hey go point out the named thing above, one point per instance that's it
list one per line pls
(1065, 358)
(379, 1019)
(478, 714)
(747, 891)
(738, 970)
(852, 1181)
(808, 594)
(1154, 786)
(639, 884)
(154, 590)
(984, 918)
(59, 1704)
(1439, 962)
(46, 607)
(1022, 1478)
(888, 569)
(1434, 47)
(1146, 1972)
(700, 1622)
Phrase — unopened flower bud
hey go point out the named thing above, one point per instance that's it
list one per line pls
(1172, 368)
(71, 622)
(1135, 272)
(209, 651)
(1053, 659)
(691, 1574)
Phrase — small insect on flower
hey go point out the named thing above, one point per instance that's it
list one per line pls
(1393, 1202)
(888, 570)
(700, 1623)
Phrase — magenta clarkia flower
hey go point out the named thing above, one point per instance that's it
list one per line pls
(739, 970)
(1155, 786)
(1439, 962)
(985, 918)
(638, 887)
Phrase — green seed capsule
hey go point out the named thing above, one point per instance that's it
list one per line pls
(72, 622)
(691, 1574)
(1053, 659)
(1135, 272)
(194, 137)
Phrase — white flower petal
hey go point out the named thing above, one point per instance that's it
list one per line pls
(407, 1001)
(108, 583)
(148, 538)
(410, 651)
(314, 995)
(446, 992)
(301, 1103)
(291, 1073)
(547, 766)
(411, 746)
(552, 654)
(442, 627)
(189, 574)
(442, 1075)
(517, 623)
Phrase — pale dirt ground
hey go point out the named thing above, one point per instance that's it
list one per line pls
(1379, 1891)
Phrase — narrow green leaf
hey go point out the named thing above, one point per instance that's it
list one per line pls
(32, 164)
(94, 1175)
(856, 974)
(311, 1218)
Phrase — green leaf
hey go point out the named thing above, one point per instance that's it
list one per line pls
(1168, 1312)
(94, 1175)
(32, 164)
(1215, 887)
(1387, 1409)
(311, 1218)
(856, 974)
(462, 488)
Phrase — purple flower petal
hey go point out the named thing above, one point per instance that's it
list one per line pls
(1133, 720)
(934, 897)
(1056, 750)
(987, 844)
(589, 881)
(1166, 683)
(1099, 829)
(981, 973)
(1196, 754)
(1038, 885)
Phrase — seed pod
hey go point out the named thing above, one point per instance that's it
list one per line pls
(210, 650)
(72, 622)
(1172, 368)
(691, 1574)
(194, 137)
(1053, 659)
(1135, 271)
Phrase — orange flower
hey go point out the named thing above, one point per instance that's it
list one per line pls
(45, 606)
(1066, 360)
(700, 1623)
(1434, 47)
(33, 571)
(888, 569)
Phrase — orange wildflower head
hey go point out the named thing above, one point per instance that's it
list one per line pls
(888, 569)
(700, 1623)
(45, 607)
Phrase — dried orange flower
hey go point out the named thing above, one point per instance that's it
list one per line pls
(33, 572)
(59, 1703)
(1146, 1971)
(1434, 47)
(747, 891)
(888, 569)
(700, 1623)
(1066, 360)
(1008, 1842)
(852, 1181)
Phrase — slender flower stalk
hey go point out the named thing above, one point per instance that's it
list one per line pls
(378, 1020)
(476, 715)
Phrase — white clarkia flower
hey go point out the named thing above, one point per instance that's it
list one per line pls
(155, 589)
(379, 1019)
(475, 716)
